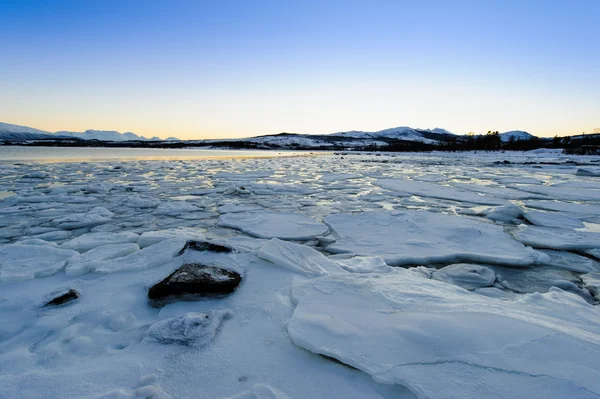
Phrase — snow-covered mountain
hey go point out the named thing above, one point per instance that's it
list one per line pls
(9, 128)
(516, 135)
(400, 133)
(16, 132)
(355, 138)
(102, 135)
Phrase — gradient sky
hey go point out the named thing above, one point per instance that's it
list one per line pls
(208, 69)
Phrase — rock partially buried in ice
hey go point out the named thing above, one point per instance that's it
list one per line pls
(441, 341)
(466, 275)
(192, 281)
(198, 245)
(269, 224)
(189, 329)
(420, 237)
(68, 296)
(559, 239)
(298, 258)
(553, 219)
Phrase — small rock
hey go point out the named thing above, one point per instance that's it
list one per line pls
(206, 246)
(68, 296)
(197, 329)
(191, 281)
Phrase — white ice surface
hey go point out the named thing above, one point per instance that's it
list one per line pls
(21, 262)
(362, 264)
(154, 237)
(89, 241)
(413, 237)
(298, 258)
(559, 239)
(570, 261)
(407, 187)
(85, 263)
(268, 224)
(97, 345)
(146, 258)
(552, 219)
(444, 342)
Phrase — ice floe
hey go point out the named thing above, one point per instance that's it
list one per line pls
(298, 258)
(560, 239)
(414, 237)
(407, 187)
(442, 341)
(552, 219)
(149, 257)
(20, 262)
(89, 241)
(268, 224)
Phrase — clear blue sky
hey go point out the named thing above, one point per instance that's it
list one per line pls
(200, 69)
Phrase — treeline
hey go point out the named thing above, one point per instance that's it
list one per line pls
(492, 141)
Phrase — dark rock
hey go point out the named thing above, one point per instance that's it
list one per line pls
(206, 246)
(68, 296)
(192, 281)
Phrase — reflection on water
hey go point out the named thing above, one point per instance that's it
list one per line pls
(77, 154)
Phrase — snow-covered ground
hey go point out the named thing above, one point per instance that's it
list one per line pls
(467, 275)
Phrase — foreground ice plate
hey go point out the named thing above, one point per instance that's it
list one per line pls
(441, 341)
(415, 237)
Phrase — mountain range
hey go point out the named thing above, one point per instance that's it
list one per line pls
(17, 132)
(10, 132)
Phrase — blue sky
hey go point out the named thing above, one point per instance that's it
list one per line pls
(206, 69)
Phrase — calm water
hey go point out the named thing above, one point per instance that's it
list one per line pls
(70, 154)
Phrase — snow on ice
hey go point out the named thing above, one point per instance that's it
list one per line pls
(372, 276)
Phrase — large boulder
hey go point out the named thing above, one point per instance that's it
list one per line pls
(192, 281)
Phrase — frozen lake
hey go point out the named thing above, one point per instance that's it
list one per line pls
(76, 154)
(378, 276)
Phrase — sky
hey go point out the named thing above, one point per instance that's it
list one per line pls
(216, 69)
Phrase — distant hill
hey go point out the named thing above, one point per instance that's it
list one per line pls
(515, 135)
(16, 132)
